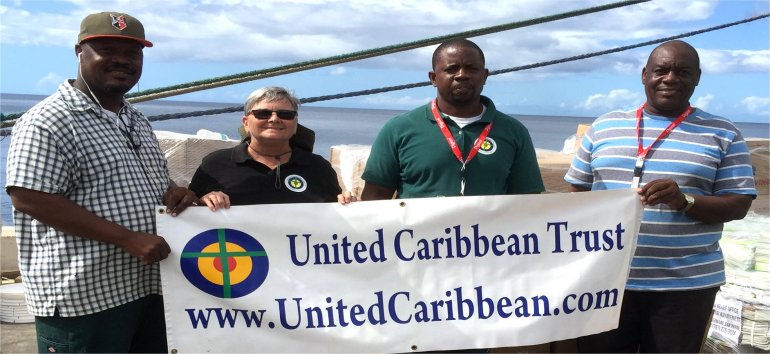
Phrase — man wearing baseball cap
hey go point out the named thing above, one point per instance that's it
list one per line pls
(84, 174)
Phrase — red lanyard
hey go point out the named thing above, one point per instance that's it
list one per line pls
(641, 153)
(451, 140)
(453, 144)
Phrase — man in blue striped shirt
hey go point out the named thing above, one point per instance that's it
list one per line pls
(693, 173)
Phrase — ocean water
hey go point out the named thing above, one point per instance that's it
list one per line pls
(332, 126)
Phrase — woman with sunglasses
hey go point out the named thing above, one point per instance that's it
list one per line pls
(265, 168)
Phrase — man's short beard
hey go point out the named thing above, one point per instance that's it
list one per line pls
(463, 99)
(116, 90)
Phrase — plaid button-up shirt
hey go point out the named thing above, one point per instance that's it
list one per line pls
(68, 145)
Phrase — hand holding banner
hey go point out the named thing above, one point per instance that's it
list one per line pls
(398, 275)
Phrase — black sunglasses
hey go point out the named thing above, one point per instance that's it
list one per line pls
(281, 113)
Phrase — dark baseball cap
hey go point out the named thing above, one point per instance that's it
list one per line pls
(112, 25)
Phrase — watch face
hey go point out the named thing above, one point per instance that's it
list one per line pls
(690, 201)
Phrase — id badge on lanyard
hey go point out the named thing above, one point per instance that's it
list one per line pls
(641, 152)
(637, 172)
(453, 144)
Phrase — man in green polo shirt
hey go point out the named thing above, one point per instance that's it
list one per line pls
(459, 144)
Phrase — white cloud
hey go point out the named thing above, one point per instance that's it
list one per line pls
(614, 100)
(731, 61)
(757, 105)
(391, 100)
(703, 102)
(254, 34)
(21, 27)
(49, 82)
(299, 30)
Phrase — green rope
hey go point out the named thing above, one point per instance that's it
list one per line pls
(333, 60)
(6, 124)
(491, 73)
(174, 90)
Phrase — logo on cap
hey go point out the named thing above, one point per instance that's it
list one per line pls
(112, 25)
(119, 22)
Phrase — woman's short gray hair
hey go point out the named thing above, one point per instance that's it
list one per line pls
(270, 94)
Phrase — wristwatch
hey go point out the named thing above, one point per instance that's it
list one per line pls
(690, 202)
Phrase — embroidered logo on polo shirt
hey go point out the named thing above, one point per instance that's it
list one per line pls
(488, 147)
(295, 183)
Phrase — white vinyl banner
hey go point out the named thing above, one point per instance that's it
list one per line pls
(398, 275)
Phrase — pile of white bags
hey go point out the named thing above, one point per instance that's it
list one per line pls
(744, 301)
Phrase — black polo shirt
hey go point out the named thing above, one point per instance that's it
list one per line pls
(305, 178)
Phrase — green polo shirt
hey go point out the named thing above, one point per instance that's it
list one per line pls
(411, 155)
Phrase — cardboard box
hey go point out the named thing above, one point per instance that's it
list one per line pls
(184, 153)
(760, 158)
(349, 162)
(9, 253)
(553, 167)
(581, 130)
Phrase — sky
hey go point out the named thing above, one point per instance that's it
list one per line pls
(203, 39)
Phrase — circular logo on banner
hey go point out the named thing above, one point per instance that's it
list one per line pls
(224, 263)
(488, 147)
(295, 183)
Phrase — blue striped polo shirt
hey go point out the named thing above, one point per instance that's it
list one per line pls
(705, 155)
